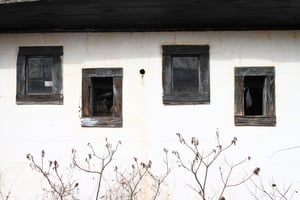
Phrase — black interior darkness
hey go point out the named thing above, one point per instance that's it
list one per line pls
(253, 95)
(102, 96)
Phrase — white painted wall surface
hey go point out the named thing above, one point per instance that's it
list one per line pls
(148, 125)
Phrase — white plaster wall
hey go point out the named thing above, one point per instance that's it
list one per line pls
(148, 125)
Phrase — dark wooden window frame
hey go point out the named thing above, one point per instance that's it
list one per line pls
(115, 120)
(200, 97)
(54, 52)
(269, 116)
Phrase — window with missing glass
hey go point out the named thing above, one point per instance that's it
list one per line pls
(102, 97)
(39, 75)
(255, 96)
(186, 74)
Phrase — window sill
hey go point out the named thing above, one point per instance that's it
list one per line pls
(110, 122)
(185, 99)
(40, 100)
(254, 121)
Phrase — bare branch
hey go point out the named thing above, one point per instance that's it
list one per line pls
(58, 187)
(200, 165)
(105, 160)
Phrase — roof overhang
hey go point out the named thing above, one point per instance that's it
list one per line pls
(147, 15)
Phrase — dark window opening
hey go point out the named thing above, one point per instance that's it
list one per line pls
(185, 74)
(253, 95)
(102, 96)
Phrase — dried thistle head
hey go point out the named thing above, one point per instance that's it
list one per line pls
(195, 141)
(149, 164)
(256, 171)
(166, 150)
(181, 139)
(73, 151)
(42, 153)
(177, 155)
(55, 164)
(29, 156)
(234, 140)
(50, 163)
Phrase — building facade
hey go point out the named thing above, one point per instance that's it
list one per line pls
(117, 86)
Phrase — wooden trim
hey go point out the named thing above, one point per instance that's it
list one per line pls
(56, 98)
(87, 119)
(167, 75)
(39, 99)
(110, 122)
(102, 72)
(185, 49)
(200, 97)
(117, 105)
(85, 96)
(41, 51)
(185, 99)
(254, 121)
(254, 71)
(239, 95)
(269, 116)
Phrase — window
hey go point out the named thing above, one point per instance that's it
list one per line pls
(39, 75)
(102, 97)
(255, 96)
(186, 74)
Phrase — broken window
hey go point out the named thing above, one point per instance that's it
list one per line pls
(186, 74)
(102, 97)
(39, 75)
(255, 96)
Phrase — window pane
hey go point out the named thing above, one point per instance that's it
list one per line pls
(39, 79)
(185, 74)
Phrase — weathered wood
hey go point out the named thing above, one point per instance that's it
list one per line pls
(85, 95)
(270, 96)
(185, 49)
(40, 100)
(102, 72)
(255, 121)
(148, 15)
(202, 95)
(117, 105)
(239, 96)
(268, 118)
(254, 71)
(167, 74)
(88, 118)
(41, 51)
(204, 84)
(110, 122)
(23, 94)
